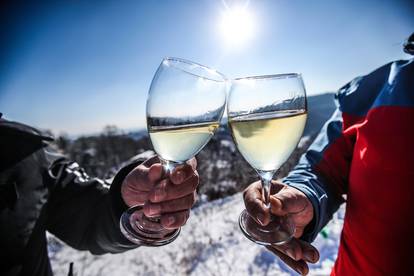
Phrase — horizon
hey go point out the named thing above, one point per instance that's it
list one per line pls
(75, 68)
(132, 130)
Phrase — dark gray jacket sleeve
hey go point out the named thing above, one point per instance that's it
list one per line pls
(84, 212)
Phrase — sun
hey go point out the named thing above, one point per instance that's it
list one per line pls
(236, 26)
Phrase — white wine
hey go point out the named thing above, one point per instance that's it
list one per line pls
(266, 140)
(180, 143)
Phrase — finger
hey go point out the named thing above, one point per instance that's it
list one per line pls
(299, 250)
(142, 179)
(291, 248)
(140, 197)
(299, 266)
(255, 205)
(310, 253)
(155, 172)
(298, 229)
(133, 198)
(276, 187)
(171, 206)
(287, 201)
(193, 163)
(137, 181)
(181, 173)
(151, 161)
(175, 220)
(166, 191)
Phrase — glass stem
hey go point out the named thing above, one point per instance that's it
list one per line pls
(266, 178)
(169, 165)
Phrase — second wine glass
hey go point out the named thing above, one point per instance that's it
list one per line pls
(185, 104)
(267, 115)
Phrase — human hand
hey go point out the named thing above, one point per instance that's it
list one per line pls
(285, 200)
(168, 198)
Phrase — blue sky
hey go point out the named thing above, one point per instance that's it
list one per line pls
(77, 67)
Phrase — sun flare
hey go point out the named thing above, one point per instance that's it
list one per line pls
(237, 26)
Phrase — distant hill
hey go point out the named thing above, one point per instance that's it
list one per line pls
(320, 109)
(138, 134)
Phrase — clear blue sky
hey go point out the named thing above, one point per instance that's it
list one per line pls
(75, 68)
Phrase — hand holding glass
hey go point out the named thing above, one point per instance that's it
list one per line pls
(185, 104)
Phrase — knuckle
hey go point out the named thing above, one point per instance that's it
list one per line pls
(255, 208)
(246, 193)
(136, 176)
(194, 182)
(184, 219)
(131, 178)
(187, 171)
(298, 232)
(181, 218)
(195, 172)
(251, 204)
(191, 200)
(192, 163)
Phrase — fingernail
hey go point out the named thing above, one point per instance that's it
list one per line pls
(290, 253)
(154, 209)
(171, 220)
(299, 270)
(309, 256)
(260, 218)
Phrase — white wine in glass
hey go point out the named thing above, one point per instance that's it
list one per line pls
(180, 143)
(185, 104)
(267, 115)
(267, 140)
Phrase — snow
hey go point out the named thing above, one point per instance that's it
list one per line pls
(209, 244)
(228, 144)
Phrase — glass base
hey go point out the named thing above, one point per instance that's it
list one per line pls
(134, 226)
(279, 231)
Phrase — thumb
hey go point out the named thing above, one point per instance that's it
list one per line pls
(155, 172)
(277, 206)
(287, 201)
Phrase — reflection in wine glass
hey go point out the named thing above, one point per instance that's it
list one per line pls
(267, 115)
(185, 104)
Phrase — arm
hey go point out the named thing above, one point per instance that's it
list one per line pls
(322, 173)
(84, 212)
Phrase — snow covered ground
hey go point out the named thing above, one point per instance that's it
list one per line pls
(209, 244)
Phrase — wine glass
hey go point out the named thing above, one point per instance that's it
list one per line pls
(267, 115)
(185, 104)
